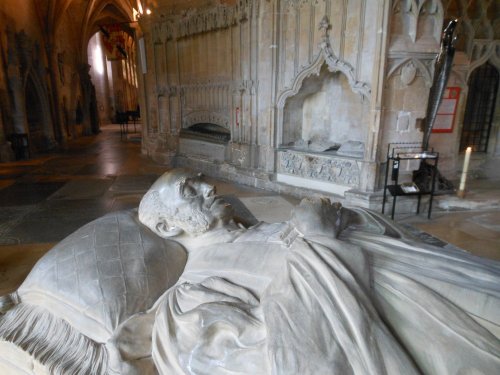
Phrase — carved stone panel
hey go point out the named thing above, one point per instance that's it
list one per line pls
(202, 149)
(197, 117)
(317, 167)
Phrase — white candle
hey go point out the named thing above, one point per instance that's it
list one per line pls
(464, 170)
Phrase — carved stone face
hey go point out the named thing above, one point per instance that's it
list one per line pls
(181, 201)
(199, 207)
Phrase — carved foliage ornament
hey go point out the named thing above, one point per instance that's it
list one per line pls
(333, 170)
(202, 21)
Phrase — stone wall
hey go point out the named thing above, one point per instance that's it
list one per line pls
(270, 72)
(415, 34)
(298, 77)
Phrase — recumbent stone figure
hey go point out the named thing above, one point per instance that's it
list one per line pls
(177, 287)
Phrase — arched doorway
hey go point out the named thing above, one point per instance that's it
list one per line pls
(480, 108)
(114, 77)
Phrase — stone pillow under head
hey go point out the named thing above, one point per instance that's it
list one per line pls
(104, 273)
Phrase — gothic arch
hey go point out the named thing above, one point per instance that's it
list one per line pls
(478, 120)
(113, 11)
(334, 64)
(490, 53)
(418, 64)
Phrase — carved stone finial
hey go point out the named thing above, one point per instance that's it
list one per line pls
(324, 25)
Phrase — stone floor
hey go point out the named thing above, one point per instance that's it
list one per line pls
(44, 199)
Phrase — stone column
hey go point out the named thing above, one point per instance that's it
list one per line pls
(15, 83)
(53, 93)
(6, 153)
(265, 85)
(85, 85)
(369, 169)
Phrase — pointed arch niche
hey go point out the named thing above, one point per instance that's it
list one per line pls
(325, 106)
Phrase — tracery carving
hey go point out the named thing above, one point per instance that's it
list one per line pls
(208, 95)
(247, 86)
(163, 31)
(300, 3)
(202, 21)
(213, 19)
(323, 168)
(422, 64)
(328, 57)
(477, 23)
(483, 51)
(197, 117)
(414, 10)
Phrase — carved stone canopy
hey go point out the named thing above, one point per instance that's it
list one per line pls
(328, 57)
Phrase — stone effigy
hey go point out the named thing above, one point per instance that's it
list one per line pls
(332, 290)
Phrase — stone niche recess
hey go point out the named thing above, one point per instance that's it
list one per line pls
(324, 115)
(323, 137)
(206, 140)
(205, 132)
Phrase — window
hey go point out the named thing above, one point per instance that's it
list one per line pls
(480, 108)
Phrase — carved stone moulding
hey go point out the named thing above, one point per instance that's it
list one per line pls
(415, 11)
(408, 73)
(328, 57)
(409, 66)
(299, 3)
(202, 21)
(198, 117)
(483, 51)
(326, 168)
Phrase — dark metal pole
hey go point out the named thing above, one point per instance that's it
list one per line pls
(441, 73)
